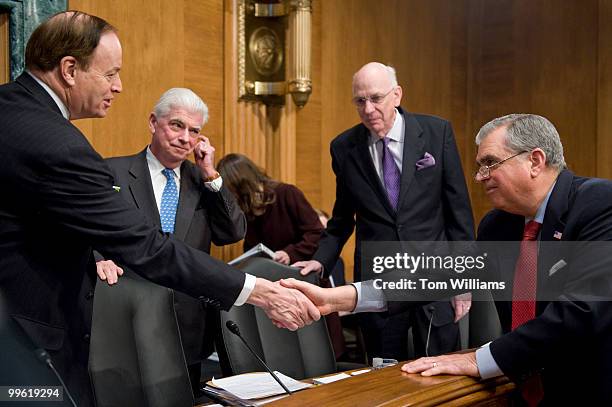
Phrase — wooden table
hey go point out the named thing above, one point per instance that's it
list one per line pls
(392, 387)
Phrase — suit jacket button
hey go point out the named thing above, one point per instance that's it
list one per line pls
(89, 295)
(86, 337)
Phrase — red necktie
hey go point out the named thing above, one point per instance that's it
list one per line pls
(523, 301)
(525, 277)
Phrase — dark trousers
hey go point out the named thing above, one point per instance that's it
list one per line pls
(386, 335)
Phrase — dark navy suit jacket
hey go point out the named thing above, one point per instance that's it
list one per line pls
(57, 203)
(434, 204)
(570, 340)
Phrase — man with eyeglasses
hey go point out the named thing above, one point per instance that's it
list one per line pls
(185, 199)
(552, 230)
(59, 202)
(399, 178)
(564, 340)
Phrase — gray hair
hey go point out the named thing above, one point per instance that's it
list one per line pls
(392, 75)
(181, 98)
(525, 132)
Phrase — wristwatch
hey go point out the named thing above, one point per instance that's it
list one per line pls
(214, 177)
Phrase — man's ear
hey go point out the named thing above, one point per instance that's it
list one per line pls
(538, 161)
(68, 68)
(152, 122)
(397, 94)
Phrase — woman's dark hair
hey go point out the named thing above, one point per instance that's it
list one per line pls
(251, 186)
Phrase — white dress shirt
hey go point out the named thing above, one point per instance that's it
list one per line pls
(396, 145)
(158, 180)
(215, 185)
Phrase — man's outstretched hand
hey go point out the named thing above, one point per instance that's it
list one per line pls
(327, 300)
(286, 307)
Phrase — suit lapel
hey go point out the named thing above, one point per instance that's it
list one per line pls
(364, 163)
(142, 189)
(552, 227)
(413, 151)
(556, 210)
(188, 199)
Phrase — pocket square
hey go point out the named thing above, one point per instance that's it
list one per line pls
(556, 267)
(427, 161)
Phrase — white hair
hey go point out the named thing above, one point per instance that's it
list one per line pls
(181, 98)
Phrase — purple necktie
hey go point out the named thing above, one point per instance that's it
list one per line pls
(391, 174)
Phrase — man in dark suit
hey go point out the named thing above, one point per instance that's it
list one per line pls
(206, 211)
(398, 178)
(566, 335)
(58, 202)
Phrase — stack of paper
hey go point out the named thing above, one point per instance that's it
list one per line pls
(257, 385)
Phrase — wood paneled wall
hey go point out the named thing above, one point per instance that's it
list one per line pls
(470, 61)
(604, 90)
(537, 57)
(465, 60)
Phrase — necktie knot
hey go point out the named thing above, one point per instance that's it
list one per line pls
(168, 173)
(532, 228)
(386, 141)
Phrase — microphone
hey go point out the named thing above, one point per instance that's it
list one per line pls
(43, 356)
(432, 310)
(233, 327)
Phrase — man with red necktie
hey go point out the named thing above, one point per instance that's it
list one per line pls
(565, 337)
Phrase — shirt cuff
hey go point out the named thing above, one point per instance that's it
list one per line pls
(214, 185)
(487, 367)
(247, 289)
(375, 303)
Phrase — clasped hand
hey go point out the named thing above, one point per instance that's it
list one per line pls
(287, 308)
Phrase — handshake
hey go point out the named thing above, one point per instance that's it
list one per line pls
(292, 304)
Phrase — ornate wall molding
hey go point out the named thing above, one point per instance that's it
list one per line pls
(24, 17)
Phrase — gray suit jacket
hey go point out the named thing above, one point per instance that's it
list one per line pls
(202, 216)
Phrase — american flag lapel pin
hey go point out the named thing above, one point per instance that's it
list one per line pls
(557, 235)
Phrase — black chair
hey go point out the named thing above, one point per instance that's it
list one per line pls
(136, 358)
(304, 353)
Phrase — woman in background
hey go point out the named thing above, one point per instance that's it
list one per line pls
(278, 214)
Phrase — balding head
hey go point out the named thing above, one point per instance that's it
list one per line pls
(376, 95)
(375, 70)
(70, 33)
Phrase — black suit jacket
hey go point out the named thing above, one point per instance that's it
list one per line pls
(57, 203)
(433, 205)
(571, 338)
(202, 216)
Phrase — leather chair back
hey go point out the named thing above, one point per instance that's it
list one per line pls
(136, 358)
(304, 353)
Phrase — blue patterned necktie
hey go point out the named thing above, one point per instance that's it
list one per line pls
(169, 202)
(391, 174)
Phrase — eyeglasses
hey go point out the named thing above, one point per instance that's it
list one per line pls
(485, 170)
(360, 102)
